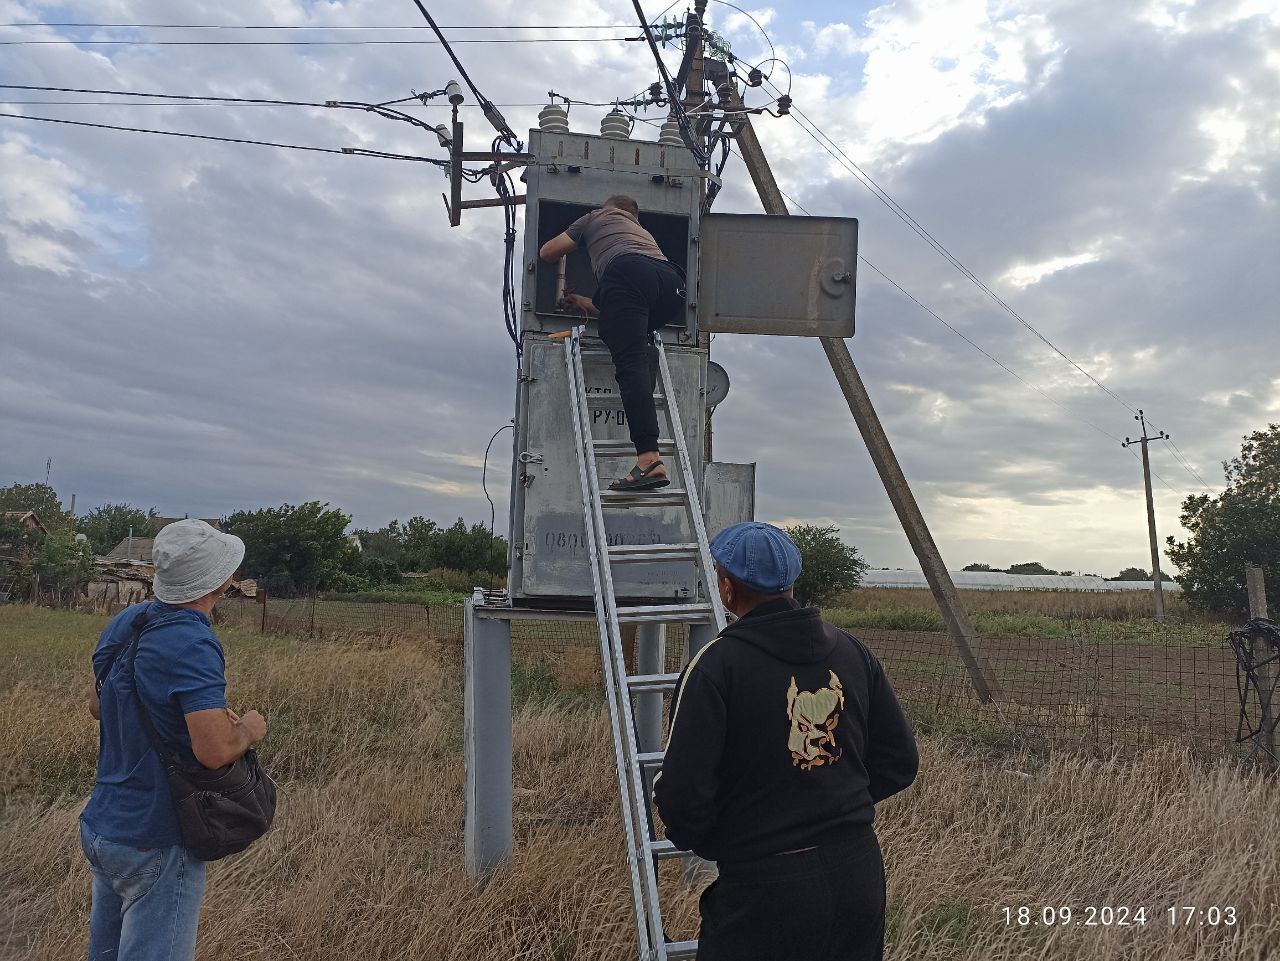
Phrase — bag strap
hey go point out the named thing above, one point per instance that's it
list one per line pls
(140, 624)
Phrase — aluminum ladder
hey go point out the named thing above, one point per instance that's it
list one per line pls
(644, 849)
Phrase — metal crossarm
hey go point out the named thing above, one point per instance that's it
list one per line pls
(644, 848)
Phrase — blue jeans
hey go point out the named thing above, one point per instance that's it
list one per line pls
(146, 902)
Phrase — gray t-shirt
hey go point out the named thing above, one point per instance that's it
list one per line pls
(609, 233)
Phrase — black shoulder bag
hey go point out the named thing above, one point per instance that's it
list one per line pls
(220, 811)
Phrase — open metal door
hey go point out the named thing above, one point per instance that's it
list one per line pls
(790, 276)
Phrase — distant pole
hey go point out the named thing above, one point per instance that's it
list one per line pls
(877, 443)
(1144, 440)
(128, 551)
(72, 512)
(48, 469)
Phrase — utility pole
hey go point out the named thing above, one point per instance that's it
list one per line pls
(694, 99)
(886, 462)
(1144, 440)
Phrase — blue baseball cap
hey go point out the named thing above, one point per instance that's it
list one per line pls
(759, 555)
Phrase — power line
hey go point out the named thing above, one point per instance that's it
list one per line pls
(346, 151)
(816, 134)
(968, 340)
(206, 102)
(163, 96)
(312, 43)
(298, 26)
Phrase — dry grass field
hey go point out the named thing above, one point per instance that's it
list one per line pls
(365, 859)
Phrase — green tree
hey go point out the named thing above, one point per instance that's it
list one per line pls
(59, 558)
(40, 498)
(108, 525)
(829, 564)
(295, 549)
(1238, 527)
(472, 549)
(1031, 567)
(1132, 574)
(983, 568)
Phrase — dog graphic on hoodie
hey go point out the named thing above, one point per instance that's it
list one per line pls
(814, 716)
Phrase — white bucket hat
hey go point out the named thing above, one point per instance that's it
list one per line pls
(193, 559)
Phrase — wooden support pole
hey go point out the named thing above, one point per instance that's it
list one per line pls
(1268, 668)
(895, 483)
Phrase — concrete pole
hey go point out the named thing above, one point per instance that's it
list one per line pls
(651, 646)
(487, 739)
(1151, 531)
(877, 442)
(1144, 441)
(1267, 672)
(700, 635)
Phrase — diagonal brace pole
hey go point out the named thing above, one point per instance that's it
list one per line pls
(959, 627)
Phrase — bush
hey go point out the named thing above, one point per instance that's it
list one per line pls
(830, 565)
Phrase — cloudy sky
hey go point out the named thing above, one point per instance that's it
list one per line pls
(205, 327)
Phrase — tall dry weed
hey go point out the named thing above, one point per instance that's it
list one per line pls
(366, 857)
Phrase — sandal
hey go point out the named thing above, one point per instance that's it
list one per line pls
(639, 480)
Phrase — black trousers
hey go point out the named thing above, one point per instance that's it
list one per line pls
(821, 905)
(636, 296)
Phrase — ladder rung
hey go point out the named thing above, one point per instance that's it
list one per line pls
(650, 760)
(642, 683)
(662, 497)
(666, 614)
(681, 950)
(641, 553)
(614, 401)
(665, 849)
(624, 448)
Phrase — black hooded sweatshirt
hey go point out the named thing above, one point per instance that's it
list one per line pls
(784, 734)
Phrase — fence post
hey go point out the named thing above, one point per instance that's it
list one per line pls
(311, 625)
(1256, 583)
(263, 601)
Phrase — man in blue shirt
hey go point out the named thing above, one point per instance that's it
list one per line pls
(146, 885)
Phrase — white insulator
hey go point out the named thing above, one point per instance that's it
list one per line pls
(616, 125)
(669, 135)
(554, 118)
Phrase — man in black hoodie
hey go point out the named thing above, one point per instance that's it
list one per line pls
(785, 733)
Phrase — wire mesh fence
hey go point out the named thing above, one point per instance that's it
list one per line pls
(1093, 686)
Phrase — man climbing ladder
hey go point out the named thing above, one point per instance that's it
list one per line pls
(638, 292)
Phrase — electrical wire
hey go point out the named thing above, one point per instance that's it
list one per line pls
(202, 102)
(347, 151)
(299, 26)
(831, 147)
(162, 96)
(991, 357)
(673, 95)
(311, 43)
(484, 475)
(490, 111)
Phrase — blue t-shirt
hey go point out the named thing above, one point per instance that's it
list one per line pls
(180, 669)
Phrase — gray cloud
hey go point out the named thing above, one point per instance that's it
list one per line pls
(242, 326)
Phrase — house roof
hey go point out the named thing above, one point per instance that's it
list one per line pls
(27, 517)
(133, 549)
(214, 522)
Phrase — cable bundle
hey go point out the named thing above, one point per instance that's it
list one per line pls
(1250, 657)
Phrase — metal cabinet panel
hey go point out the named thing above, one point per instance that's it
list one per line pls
(792, 276)
(549, 558)
(730, 496)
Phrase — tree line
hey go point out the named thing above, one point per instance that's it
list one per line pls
(292, 549)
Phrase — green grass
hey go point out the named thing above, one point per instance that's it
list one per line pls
(1027, 624)
(400, 595)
